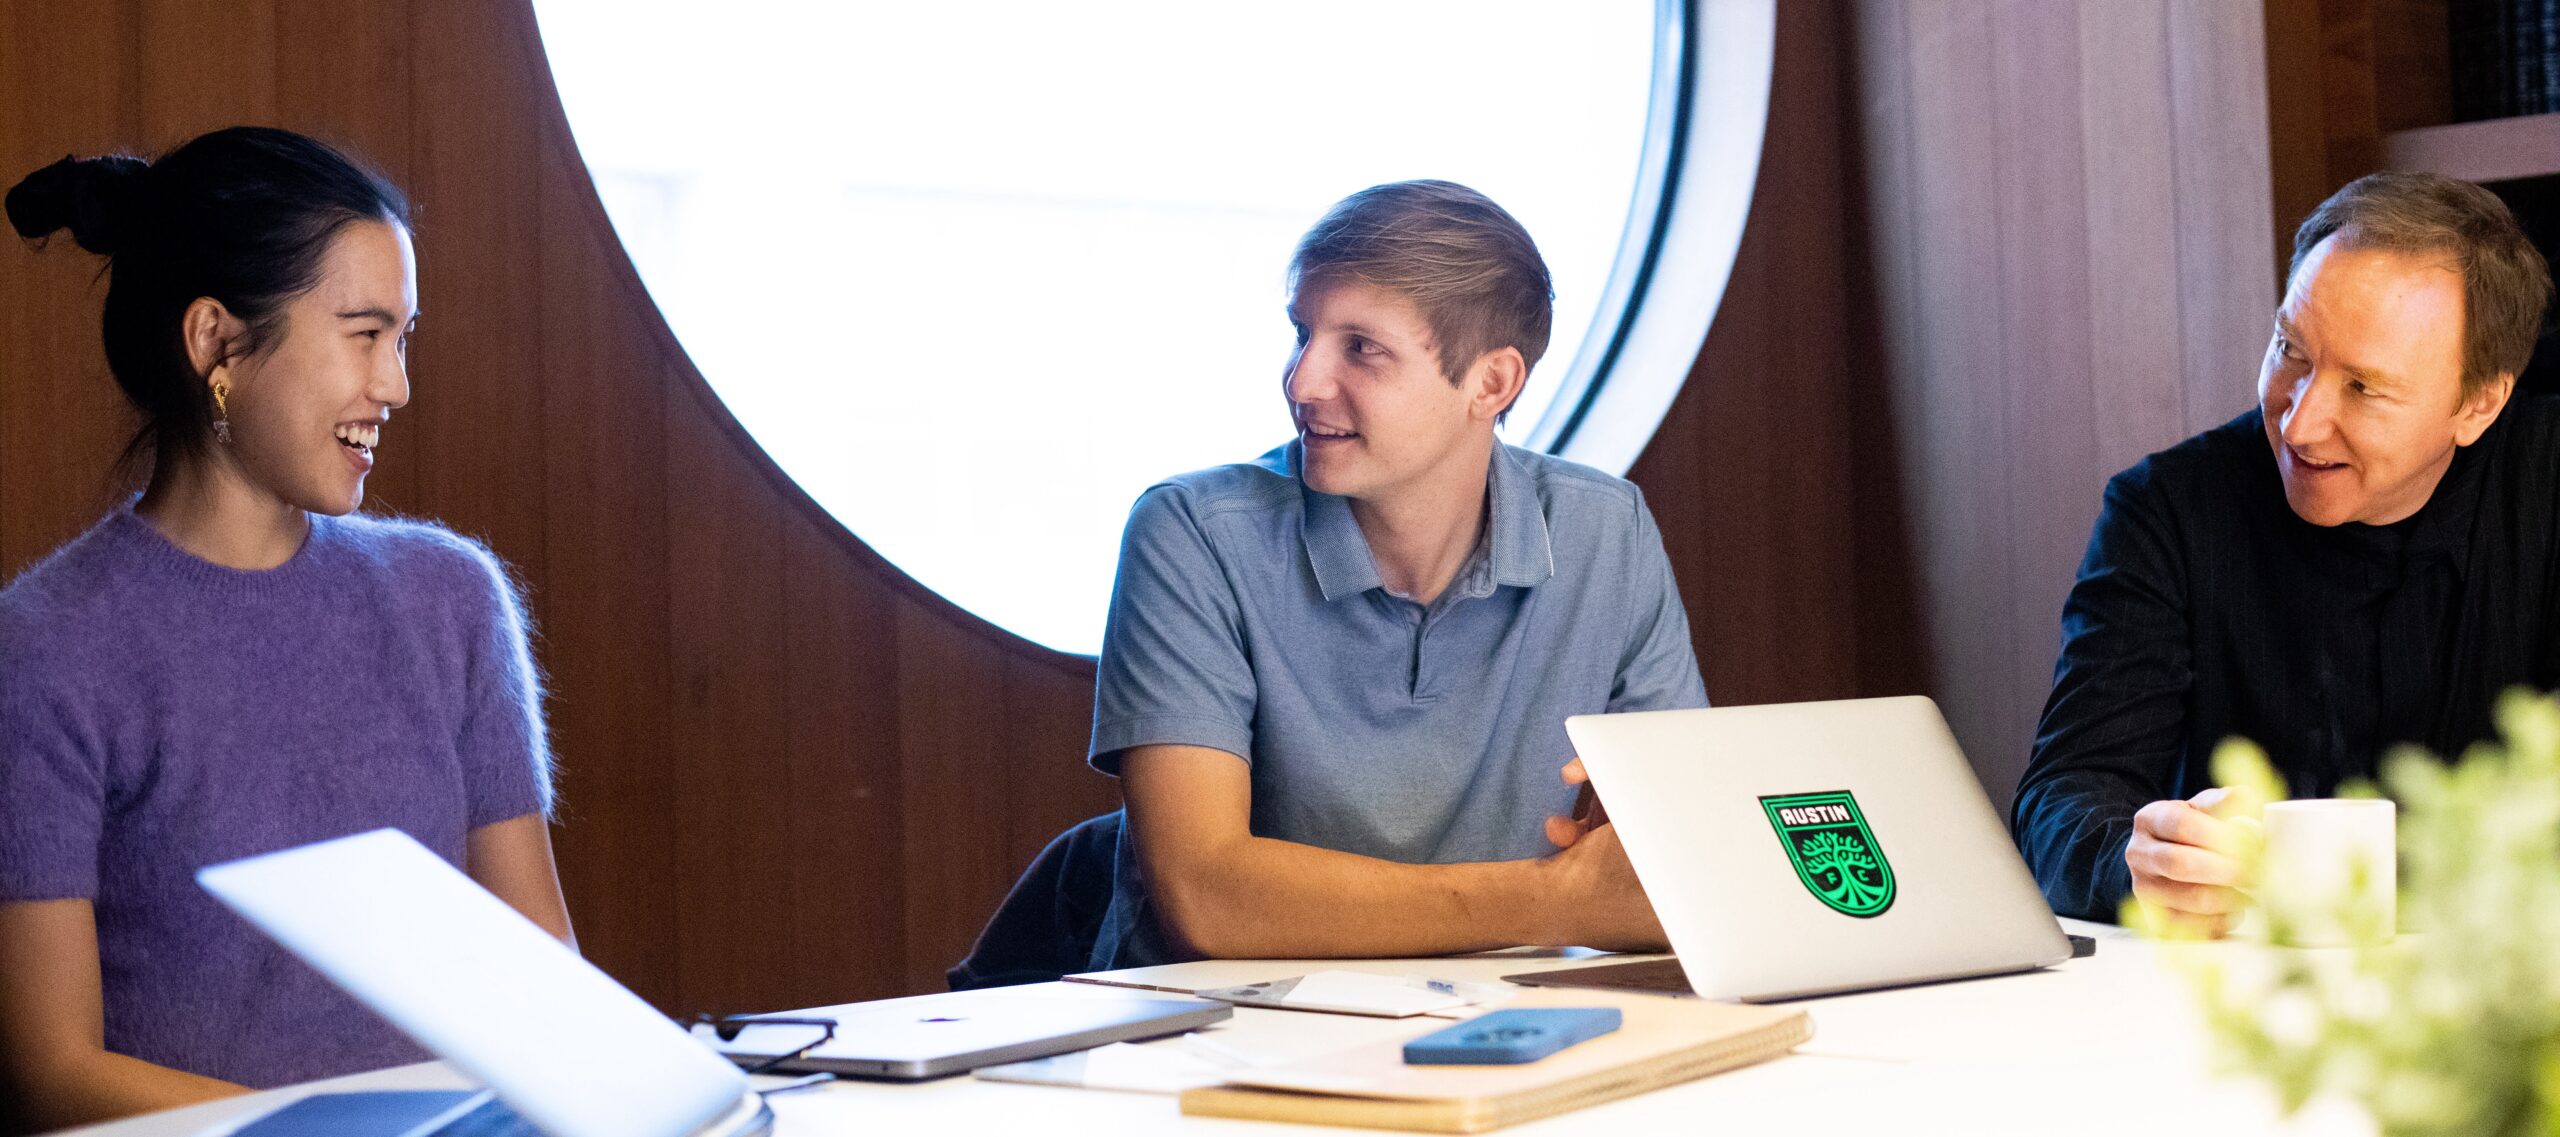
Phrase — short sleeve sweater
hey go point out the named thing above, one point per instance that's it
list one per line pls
(160, 713)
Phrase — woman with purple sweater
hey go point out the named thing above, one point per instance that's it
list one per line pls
(237, 661)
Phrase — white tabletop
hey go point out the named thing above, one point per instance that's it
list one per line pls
(2107, 1044)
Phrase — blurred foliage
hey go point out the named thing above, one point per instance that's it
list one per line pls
(2454, 1027)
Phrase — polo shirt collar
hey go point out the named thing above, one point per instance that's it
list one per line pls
(1520, 553)
(1523, 556)
(1334, 544)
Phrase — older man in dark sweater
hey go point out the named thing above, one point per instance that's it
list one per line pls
(2365, 559)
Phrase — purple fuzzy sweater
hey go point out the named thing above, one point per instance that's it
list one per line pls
(160, 713)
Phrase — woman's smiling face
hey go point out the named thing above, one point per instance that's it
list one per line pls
(307, 412)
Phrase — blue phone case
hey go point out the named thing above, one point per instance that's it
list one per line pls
(1508, 1038)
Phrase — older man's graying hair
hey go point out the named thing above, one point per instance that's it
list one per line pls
(2505, 282)
(1464, 263)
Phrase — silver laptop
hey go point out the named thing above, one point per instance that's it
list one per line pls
(1808, 848)
(930, 1036)
(563, 1049)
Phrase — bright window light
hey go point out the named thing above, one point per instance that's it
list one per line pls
(976, 275)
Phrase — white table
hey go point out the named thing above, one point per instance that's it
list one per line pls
(2102, 1045)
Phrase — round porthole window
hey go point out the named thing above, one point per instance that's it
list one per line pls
(975, 275)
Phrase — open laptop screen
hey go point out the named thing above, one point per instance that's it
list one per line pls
(484, 988)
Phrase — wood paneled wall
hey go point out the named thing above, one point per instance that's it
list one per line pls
(788, 774)
(1773, 475)
(2341, 75)
(791, 776)
(2069, 208)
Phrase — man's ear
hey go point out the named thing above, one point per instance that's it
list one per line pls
(2481, 409)
(1494, 381)
(209, 330)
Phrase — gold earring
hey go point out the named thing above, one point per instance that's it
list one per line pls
(221, 412)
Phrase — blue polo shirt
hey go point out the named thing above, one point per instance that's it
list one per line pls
(1248, 617)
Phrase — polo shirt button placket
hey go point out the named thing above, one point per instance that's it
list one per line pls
(1422, 689)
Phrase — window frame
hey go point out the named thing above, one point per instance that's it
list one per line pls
(1713, 61)
(1705, 124)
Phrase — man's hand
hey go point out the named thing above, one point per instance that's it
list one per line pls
(1588, 813)
(1607, 906)
(1604, 904)
(2190, 861)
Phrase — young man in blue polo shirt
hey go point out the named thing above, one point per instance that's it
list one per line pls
(1335, 679)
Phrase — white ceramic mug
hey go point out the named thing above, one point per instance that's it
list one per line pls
(2331, 873)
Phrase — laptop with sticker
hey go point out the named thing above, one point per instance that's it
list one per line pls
(1810, 848)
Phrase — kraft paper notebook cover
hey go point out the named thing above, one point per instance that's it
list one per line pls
(1664, 1041)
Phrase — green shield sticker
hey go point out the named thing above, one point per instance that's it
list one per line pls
(1835, 856)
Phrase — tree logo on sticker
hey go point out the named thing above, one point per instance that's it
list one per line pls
(1835, 855)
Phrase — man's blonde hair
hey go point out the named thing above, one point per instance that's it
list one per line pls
(1463, 262)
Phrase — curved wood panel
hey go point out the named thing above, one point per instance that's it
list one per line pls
(789, 774)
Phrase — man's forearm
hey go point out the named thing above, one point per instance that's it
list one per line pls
(1259, 898)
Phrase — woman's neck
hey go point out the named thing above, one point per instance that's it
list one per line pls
(211, 509)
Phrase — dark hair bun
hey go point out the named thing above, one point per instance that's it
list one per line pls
(92, 197)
